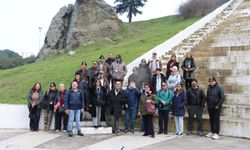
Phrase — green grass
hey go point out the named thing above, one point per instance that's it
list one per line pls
(132, 41)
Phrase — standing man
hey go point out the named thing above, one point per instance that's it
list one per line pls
(74, 104)
(215, 98)
(83, 71)
(154, 63)
(118, 99)
(109, 61)
(118, 70)
(157, 79)
(195, 103)
(103, 66)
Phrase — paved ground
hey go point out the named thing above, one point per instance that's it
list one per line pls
(25, 140)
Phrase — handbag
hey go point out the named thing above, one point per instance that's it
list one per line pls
(61, 109)
(151, 109)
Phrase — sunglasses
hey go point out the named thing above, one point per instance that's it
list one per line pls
(163, 85)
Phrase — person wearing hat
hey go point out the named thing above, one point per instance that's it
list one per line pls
(154, 63)
(103, 66)
(179, 101)
(188, 66)
(215, 98)
(195, 104)
(48, 105)
(118, 70)
(83, 71)
(171, 63)
(157, 80)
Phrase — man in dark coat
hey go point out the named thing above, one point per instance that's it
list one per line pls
(195, 103)
(157, 79)
(118, 99)
(215, 98)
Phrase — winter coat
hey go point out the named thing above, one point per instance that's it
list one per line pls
(116, 101)
(106, 84)
(49, 97)
(172, 81)
(93, 75)
(144, 74)
(118, 70)
(104, 68)
(142, 102)
(136, 79)
(215, 96)
(178, 104)
(74, 100)
(133, 95)
(196, 97)
(84, 74)
(170, 65)
(39, 100)
(154, 80)
(164, 96)
(96, 99)
(188, 64)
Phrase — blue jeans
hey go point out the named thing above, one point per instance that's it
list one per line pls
(179, 124)
(130, 118)
(74, 114)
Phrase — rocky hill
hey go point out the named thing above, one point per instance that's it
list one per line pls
(80, 24)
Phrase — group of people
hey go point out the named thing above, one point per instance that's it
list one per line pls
(99, 91)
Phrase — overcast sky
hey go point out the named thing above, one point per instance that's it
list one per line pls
(20, 20)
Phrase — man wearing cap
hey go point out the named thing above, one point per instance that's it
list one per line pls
(103, 66)
(154, 63)
(118, 70)
(83, 71)
(195, 103)
(215, 98)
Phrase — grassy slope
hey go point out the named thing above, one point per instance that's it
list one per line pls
(133, 41)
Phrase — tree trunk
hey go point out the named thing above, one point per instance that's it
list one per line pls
(130, 15)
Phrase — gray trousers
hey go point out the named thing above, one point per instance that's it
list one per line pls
(97, 119)
(195, 110)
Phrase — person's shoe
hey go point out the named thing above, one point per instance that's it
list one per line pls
(132, 131)
(215, 136)
(165, 132)
(200, 133)
(64, 131)
(57, 131)
(80, 133)
(189, 133)
(115, 132)
(152, 136)
(209, 135)
(144, 134)
(176, 133)
(70, 133)
(160, 132)
(180, 135)
(95, 127)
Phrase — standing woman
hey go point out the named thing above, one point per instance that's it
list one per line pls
(188, 66)
(48, 105)
(98, 94)
(171, 63)
(147, 97)
(34, 99)
(173, 79)
(178, 103)
(60, 110)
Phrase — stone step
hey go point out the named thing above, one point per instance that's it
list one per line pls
(223, 59)
(236, 111)
(223, 72)
(237, 99)
(92, 130)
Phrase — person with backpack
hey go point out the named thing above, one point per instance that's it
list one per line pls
(215, 98)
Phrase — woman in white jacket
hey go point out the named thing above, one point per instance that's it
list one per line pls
(174, 79)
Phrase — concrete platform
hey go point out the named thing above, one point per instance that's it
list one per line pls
(25, 140)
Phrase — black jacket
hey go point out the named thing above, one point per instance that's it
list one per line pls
(153, 82)
(215, 96)
(49, 97)
(196, 97)
(116, 101)
(96, 99)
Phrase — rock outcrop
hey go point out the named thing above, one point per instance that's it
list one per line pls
(80, 24)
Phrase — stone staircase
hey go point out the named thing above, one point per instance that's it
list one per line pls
(222, 49)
